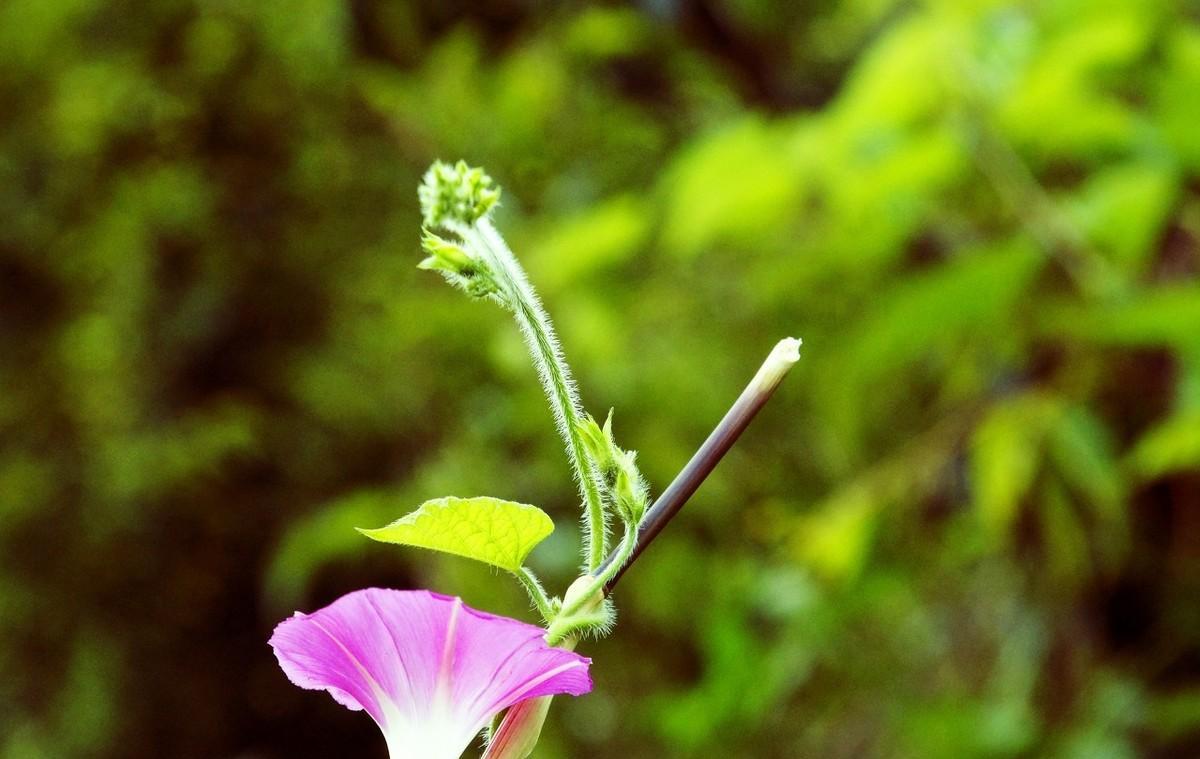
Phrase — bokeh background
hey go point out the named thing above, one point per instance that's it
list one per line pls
(967, 526)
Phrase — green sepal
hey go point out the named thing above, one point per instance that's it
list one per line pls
(445, 255)
(491, 530)
(597, 441)
(617, 468)
(629, 490)
(460, 268)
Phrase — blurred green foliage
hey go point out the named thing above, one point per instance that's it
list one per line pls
(967, 526)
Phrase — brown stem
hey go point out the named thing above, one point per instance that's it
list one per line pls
(702, 463)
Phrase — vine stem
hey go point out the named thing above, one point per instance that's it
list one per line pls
(785, 353)
(518, 731)
(575, 601)
(552, 369)
(537, 594)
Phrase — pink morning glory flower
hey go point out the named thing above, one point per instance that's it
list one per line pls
(430, 670)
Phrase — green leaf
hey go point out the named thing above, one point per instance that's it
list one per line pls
(835, 539)
(604, 236)
(1083, 451)
(496, 532)
(729, 186)
(1171, 446)
(1123, 209)
(1006, 451)
(1163, 316)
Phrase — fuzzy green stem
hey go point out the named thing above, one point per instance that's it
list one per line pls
(552, 368)
(536, 593)
(567, 621)
(584, 622)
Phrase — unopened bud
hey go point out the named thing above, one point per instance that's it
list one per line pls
(597, 442)
(457, 195)
(458, 266)
(629, 492)
(445, 255)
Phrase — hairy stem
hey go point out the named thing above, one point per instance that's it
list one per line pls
(536, 593)
(552, 369)
(576, 602)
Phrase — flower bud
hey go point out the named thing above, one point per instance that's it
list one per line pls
(462, 269)
(577, 589)
(456, 196)
(598, 442)
(629, 491)
(445, 255)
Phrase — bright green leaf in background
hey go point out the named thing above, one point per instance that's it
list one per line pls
(1171, 446)
(491, 530)
(1005, 453)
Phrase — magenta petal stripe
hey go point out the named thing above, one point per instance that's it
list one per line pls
(430, 670)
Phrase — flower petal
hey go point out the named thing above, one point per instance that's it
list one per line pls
(499, 661)
(313, 657)
(418, 662)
